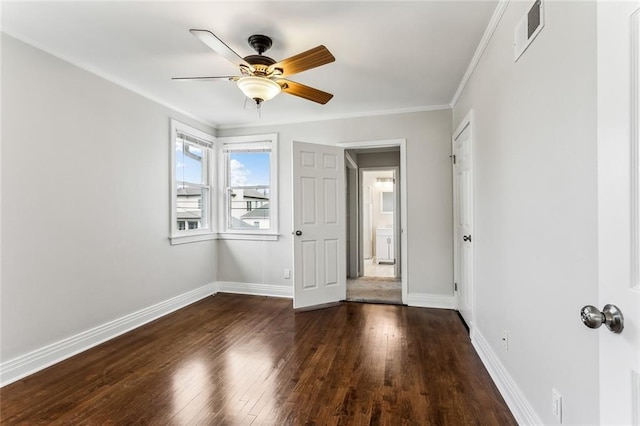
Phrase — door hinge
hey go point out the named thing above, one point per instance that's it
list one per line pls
(453, 156)
(455, 286)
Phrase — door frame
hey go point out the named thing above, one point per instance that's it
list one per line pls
(466, 122)
(352, 225)
(402, 176)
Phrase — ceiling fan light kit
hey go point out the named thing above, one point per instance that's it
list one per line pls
(259, 89)
(262, 78)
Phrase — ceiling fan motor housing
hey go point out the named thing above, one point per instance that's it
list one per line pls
(260, 43)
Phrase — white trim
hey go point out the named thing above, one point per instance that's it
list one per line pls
(513, 396)
(484, 42)
(349, 161)
(404, 195)
(635, 150)
(184, 239)
(424, 300)
(635, 396)
(467, 122)
(247, 236)
(177, 236)
(225, 145)
(270, 290)
(335, 117)
(41, 358)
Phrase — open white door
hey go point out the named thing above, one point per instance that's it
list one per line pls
(319, 215)
(463, 220)
(618, 198)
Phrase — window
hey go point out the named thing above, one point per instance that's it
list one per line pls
(250, 191)
(192, 198)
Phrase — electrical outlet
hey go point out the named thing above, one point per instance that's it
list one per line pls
(287, 274)
(556, 404)
(505, 340)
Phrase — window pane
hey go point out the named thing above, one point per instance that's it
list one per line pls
(249, 208)
(249, 168)
(191, 163)
(192, 207)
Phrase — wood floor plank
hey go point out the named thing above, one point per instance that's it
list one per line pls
(236, 360)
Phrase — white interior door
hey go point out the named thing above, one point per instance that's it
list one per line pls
(463, 221)
(319, 225)
(618, 197)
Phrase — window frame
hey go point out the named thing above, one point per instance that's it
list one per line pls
(224, 145)
(180, 236)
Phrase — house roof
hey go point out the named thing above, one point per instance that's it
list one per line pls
(259, 213)
(187, 214)
(251, 193)
(188, 190)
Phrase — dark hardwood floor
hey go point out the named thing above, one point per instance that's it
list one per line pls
(232, 359)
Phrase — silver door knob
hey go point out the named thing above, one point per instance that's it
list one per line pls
(610, 316)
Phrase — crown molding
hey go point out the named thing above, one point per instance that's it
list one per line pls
(335, 117)
(484, 42)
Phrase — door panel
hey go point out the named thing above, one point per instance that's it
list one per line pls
(463, 219)
(330, 201)
(331, 261)
(309, 271)
(618, 197)
(308, 198)
(319, 214)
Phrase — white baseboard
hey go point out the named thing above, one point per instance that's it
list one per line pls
(513, 396)
(41, 358)
(255, 289)
(423, 300)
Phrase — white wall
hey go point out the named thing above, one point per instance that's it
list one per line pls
(428, 136)
(379, 159)
(85, 203)
(535, 236)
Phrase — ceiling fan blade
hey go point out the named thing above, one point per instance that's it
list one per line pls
(225, 78)
(304, 61)
(219, 46)
(306, 92)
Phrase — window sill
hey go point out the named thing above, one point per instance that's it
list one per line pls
(248, 236)
(192, 238)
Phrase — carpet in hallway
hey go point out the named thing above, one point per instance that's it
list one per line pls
(374, 290)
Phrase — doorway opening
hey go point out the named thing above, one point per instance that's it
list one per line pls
(378, 207)
(374, 272)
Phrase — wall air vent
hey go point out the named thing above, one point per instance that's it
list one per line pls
(528, 28)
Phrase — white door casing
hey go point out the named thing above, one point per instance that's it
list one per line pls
(402, 229)
(463, 219)
(319, 215)
(618, 197)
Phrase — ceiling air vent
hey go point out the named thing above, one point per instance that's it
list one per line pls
(528, 28)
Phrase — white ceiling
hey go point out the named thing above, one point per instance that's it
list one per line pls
(390, 56)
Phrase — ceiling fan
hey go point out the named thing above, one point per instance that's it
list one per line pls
(262, 78)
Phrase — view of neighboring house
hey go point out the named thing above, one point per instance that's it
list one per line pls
(249, 208)
(189, 208)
